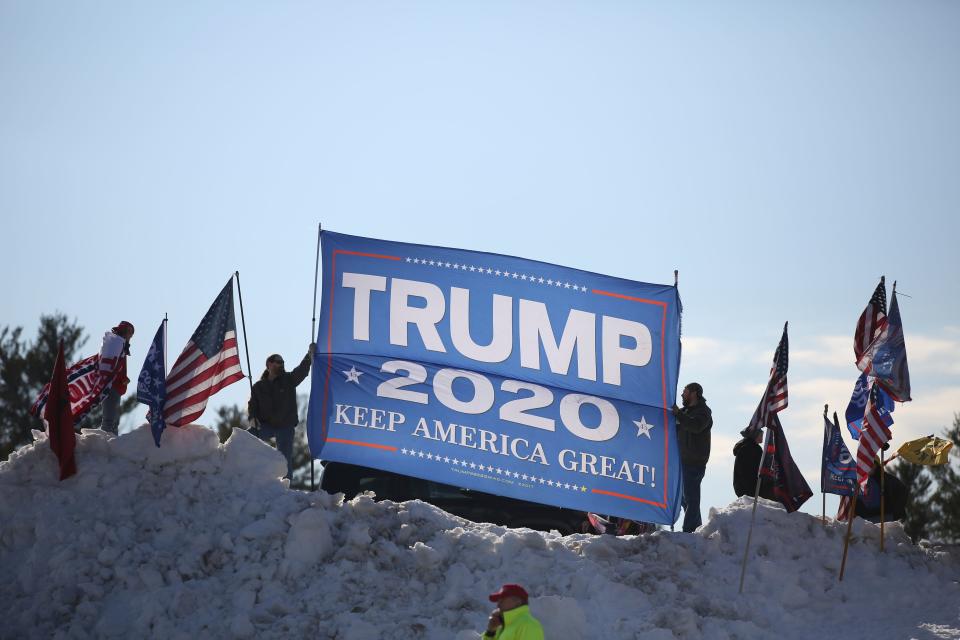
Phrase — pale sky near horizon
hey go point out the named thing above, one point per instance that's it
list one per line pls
(781, 155)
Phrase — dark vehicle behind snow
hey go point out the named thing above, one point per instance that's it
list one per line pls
(476, 506)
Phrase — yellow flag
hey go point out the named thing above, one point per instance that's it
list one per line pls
(931, 451)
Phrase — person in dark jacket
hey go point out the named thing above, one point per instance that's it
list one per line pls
(746, 466)
(273, 404)
(694, 421)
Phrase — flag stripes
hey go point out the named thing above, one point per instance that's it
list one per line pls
(872, 321)
(775, 397)
(195, 379)
(875, 434)
(208, 363)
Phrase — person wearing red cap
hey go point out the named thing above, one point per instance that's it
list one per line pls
(113, 365)
(511, 620)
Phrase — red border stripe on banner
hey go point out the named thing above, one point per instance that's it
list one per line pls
(663, 384)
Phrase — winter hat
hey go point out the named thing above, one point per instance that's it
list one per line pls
(750, 433)
(510, 590)
(122, 327)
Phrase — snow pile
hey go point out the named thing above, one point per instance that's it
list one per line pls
(202, 538)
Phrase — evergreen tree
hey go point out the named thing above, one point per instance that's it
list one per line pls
(919, 513)
(24, 369)
(946, 496)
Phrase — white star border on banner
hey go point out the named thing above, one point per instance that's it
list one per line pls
(501, 471)
(501, 273)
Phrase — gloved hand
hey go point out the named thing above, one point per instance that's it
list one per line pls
(311, 349)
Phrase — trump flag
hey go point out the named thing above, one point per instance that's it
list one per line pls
(498, 374)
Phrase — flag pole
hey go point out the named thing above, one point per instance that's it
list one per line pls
(823, 517)
(316, 274)
(246, 345)
(851, 513)
(882, 491)
(313, 328)
(753, 515)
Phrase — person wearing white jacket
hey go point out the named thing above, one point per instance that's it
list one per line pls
(113, 364)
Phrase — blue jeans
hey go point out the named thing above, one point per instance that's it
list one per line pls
(111, 412)
(284, 436)
(692, 476)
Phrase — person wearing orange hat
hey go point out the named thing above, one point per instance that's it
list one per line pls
(511, 620)
(113, 365)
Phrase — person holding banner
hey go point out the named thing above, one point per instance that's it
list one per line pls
(694, 421)
(273, 404)
(113, 365)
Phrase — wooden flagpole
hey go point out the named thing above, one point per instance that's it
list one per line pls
(882, 479)
(882, 518)
(851, 514)
(753, 516)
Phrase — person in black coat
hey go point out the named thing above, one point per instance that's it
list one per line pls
(273, 403)
(747, 455)
(694, 422)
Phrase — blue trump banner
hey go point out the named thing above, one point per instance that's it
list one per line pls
(838, 474)
(498, 374)
(858, 405)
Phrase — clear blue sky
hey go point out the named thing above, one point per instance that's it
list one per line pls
(781, 155)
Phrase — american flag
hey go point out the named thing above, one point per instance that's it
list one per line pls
(872, 321)
(876, 433)
(209, 362)
(775, 397)
(886, 357)
(844, 509)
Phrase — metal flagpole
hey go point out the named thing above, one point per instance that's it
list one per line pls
(165, 344)
(753, 514)
(246, 345)
(823, 515)
(316, 274)
(313, 330)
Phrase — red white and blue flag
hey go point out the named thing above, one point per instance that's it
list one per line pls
(872, 321)
(775, 396)
(87, 386)
(208, 363)
(886, 357)
(875, 433)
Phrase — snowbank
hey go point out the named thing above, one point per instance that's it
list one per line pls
(202, 538)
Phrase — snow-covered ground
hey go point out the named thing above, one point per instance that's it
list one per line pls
(198, 539)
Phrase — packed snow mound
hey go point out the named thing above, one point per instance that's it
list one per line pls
(198, 539)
